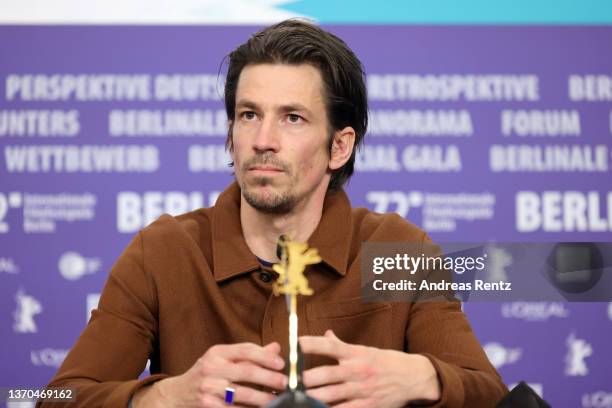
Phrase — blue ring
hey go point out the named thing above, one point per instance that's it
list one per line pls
(229, 395)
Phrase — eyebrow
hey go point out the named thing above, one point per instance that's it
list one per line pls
(291, 107)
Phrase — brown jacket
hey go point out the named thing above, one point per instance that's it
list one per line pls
(186, 283)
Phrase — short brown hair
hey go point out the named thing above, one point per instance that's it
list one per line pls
(297, 42)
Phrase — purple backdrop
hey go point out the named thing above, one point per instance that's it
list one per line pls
(453, 110)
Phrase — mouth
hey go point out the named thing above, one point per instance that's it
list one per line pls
(265, 169)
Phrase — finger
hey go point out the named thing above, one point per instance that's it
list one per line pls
(325, 346)
(252, 353)
(324, 375)
(336, 392)
(330, 333)
(212, 385)
(358, 403)
(249, 396)
(253, 374)
(273, 347)
(212, 401)
(219, 393)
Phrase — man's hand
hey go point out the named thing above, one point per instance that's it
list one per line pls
(203, 385)
(368, 376)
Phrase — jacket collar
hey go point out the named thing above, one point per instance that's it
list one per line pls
(232, 256)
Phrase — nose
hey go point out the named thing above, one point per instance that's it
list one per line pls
(267, 137)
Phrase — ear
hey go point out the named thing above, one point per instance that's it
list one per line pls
(342, 147)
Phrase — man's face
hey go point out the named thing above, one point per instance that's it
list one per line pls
(280, 136)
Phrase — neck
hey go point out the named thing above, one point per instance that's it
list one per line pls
(261, 230)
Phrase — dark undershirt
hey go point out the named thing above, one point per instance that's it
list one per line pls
(265, 263)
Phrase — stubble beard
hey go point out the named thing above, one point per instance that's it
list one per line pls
(268, 202)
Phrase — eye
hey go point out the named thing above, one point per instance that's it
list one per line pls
(248, 115)
(293, 118)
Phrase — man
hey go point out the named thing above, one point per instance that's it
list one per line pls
(194, 294)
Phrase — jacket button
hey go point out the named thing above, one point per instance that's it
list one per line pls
(265, 276)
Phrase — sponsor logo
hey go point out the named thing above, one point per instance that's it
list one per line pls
(92, 303)
(413, 158)
(440, 211)
(43, 212)
(547, 123)
(589, 87)
(136, 211)
(8, 201)
(453, 87)
(533, 311)
(598, 399)
(44, 122)
(73, 266)
(563, 211)
(8, 265)
(577, 351)
(500, 356)
(210, 158)
(27, 308)
(167, 123)
(114, 87)
(420, 123)
(498, 259)
(549, 158)
(81, 159)
(395, 201)
(48, 357)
